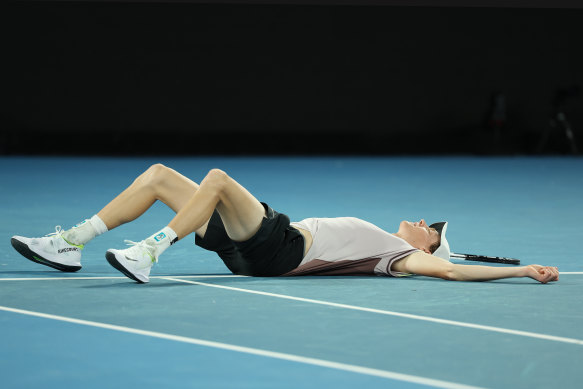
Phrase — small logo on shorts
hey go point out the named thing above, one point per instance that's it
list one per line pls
(159, 237)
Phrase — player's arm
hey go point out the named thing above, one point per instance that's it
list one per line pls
(428, 265)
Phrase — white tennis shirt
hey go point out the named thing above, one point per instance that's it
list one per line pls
(349, 246)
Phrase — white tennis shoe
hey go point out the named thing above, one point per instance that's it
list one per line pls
(134, 262)
(52, 250)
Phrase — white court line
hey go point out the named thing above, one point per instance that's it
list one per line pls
(110, 278)
(346, 306)
(392, 313)
(254, 351)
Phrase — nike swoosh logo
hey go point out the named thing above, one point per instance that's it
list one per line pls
(130, 259)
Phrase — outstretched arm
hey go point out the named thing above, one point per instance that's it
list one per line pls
(431, 266)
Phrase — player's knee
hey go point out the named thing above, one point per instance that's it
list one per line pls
(216, 179)
(154, 176)
(217, 174)
(157, 169)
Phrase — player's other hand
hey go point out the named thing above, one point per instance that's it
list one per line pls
(542, 274)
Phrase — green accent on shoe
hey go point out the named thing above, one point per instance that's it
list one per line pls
(73, 244)
(38, 259)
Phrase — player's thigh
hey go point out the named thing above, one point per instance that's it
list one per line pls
(174, 189)
(241, 212)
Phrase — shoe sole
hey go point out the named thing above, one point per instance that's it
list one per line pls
(27, 253)
(111, 258)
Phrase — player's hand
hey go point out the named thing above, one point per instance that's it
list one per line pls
(542, 274)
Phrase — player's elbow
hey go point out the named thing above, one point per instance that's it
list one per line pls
(445, 272)
(427, 265)
(449, 273)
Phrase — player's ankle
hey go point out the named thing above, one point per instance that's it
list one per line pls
(85, 231)
(161, 240)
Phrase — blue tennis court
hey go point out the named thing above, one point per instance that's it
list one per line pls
(197, 325)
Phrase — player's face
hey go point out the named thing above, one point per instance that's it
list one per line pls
(418, 234)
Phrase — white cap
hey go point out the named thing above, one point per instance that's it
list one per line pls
(443, 249)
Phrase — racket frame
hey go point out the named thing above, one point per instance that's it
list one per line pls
(485, 258)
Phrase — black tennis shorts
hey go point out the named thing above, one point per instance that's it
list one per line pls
(274, 250)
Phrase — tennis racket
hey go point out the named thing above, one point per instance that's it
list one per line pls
(484, 258)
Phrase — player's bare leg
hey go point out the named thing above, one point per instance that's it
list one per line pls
(62, 249)
(157, 183)
(241, 213)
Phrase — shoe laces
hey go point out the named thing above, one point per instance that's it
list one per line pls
(58, 232)
(144, 246)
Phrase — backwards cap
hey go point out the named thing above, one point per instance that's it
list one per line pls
(443, 249)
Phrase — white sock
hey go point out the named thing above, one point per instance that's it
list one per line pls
(162, 239)
(85, 231)
(99, 225)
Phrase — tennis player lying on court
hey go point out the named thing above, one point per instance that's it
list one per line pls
(252, 239)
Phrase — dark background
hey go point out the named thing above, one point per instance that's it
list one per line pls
(288, 78)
